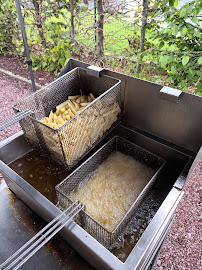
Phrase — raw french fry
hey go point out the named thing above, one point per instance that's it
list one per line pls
(57, 111)
(80, 99)
(62, 109)
(70, 113)
(73, 97)
(92, 96)
(68, 117)
(50, 119)
(83, 130)
(71, 106)
(84, 104)
(62, 105)
(76, 105)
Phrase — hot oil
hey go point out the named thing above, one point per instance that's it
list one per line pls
(113, 188)
(147, 209)
(136, 227)
(40, 172)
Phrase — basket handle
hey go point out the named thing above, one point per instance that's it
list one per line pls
(14, 119)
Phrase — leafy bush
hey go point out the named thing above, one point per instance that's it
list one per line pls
(179, 50)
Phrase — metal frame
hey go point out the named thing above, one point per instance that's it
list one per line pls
(167, 127)
(174, 116)
(78, 238)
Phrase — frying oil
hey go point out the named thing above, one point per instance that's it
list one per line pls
(44, 174)
(40, 172)
(113, 188)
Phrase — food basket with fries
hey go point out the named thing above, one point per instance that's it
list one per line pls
(71, 115)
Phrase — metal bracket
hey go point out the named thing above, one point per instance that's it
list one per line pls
(170, 94)
(94, 71)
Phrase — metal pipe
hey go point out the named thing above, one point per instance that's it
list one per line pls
(24, 37)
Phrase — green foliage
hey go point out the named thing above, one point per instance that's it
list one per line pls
(9, 30)
(183, 35)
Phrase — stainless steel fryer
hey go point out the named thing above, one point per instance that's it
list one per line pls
(72, 182)
(166, 123)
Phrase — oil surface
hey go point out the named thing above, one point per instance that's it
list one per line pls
(43, 174)
(40, 172)
(113, 188)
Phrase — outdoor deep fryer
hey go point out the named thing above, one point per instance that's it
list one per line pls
(73, 140)
(104, 236)
(164, 121)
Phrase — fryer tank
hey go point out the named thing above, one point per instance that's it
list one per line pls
(165, 122)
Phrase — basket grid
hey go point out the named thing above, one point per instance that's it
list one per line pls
(105, 237)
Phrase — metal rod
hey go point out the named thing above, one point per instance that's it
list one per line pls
(24, 37)
(95, 17)
(34, 244)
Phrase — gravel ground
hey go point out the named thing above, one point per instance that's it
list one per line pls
(11, 92)
(182, 247)
(18, 67)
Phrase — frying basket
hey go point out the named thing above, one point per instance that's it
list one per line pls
(68, 144)
(63, 190)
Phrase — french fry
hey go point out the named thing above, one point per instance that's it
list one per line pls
(71, 106)
(50, 118)
(70, 113)
(73, 97)
(62, 104)
(76, 105)
(84, 104)
(68, 117)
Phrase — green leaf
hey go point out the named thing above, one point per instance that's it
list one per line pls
(161, 44)
(199, 61)
(183, 12)
(199, 73)
(163, 61)
(194, 20)
(171, 2)
(184, 31)
(171, 58)
(185, 59)
(197, 34)
(176, 3)
(175, 30)
(191, 72)
(54, 58)
(173, 70)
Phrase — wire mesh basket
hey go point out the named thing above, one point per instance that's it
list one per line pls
(86, 170)
(69, 143)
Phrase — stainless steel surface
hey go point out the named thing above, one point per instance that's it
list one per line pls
(14, 119)
(79, 239)
(23, 254)
(170, 94)
(18, 224)
(177, 123)
(94, 71)
(104, 236)
(150, 241)
(69, 143)
(168, 129)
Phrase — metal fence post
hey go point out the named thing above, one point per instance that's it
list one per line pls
(24, 37)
